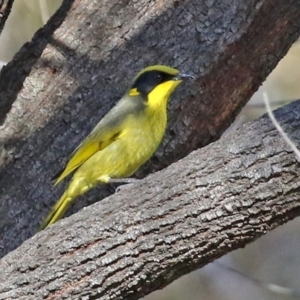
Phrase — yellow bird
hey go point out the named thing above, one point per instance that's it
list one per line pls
(123, 140)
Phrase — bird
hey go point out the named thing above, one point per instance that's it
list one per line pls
(123, 140)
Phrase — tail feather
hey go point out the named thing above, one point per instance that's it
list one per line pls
(57, 211)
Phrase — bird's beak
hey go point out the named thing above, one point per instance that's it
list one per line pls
(182, 76)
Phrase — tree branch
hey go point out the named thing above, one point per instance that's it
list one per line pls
(5, 8)
(13, 76)
(81, 63)
(217, 199)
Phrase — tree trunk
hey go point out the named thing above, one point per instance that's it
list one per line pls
(140, 239)
(81, 62)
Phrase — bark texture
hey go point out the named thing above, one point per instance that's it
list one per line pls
(5, 8)
(215, 200)
(61, 84)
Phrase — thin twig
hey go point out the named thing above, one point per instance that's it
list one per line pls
(278, 127)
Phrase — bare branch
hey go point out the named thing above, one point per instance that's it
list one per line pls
(80, 63)
(5, 8)
(217, 199)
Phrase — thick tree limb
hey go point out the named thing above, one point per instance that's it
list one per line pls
(5, 8)
(82, 64)
(14, 74)
(217, 199)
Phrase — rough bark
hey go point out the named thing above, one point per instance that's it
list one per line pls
(213, 201)
(12, 81)
(5, 8)
(75, 69)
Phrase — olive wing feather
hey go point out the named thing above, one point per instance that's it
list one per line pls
(105, 133)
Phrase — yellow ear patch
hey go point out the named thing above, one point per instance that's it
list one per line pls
(134, 92)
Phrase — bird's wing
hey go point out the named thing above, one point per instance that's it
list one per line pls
(106, 132)
(92, 144)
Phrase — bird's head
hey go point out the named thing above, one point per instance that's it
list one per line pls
(157, 82)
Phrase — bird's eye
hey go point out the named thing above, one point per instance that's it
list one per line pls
(158, 77)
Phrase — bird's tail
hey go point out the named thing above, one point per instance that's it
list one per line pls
(58, 210)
